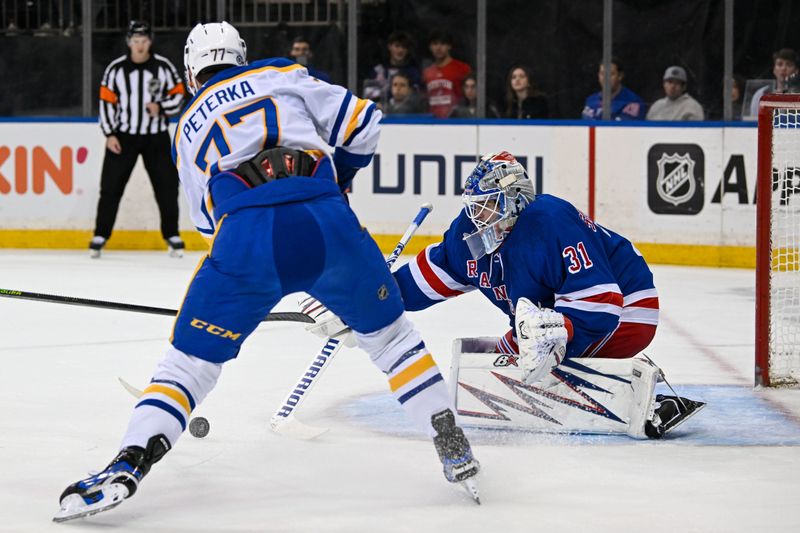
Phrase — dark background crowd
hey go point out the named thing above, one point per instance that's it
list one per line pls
(551, 49)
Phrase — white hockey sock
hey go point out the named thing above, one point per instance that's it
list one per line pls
(179, 384)
(414, 378)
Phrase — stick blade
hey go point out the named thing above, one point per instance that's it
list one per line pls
(136, 393)
(292, 427)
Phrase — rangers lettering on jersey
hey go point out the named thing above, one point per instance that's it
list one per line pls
(590, 274)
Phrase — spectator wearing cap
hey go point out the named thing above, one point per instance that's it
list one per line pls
(443, 79)
(139, 91)
(625, 104)
(784, 66)
(677, 104)
(400, 61)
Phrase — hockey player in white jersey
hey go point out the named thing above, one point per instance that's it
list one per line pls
(253, 151)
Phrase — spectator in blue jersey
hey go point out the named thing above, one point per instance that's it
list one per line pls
(625, 104)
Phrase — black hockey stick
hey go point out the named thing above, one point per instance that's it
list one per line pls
(119, 306)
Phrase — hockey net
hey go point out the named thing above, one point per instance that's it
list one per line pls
(778, 242)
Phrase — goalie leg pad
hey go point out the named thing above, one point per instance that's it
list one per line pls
(179, 384)
(644, 376)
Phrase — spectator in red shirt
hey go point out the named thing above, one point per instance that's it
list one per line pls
(444, 77)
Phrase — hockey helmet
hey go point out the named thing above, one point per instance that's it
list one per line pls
(212, 44)
(495, 193)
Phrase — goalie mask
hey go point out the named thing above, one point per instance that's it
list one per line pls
(213, 44)
(494, 195)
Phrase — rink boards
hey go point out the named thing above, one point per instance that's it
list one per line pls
(684, 194)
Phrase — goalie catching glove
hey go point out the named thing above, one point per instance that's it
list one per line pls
(326, 324)
(542, 335)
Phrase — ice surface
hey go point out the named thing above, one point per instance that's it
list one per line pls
(733, 467)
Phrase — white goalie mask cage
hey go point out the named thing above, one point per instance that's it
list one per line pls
(495, 193)
(216, 43)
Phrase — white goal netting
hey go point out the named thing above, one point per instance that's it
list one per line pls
(784, 308)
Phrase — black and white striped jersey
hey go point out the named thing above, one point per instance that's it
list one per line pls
(126, 89)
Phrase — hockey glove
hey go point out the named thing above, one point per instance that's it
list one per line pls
(542, 338)
(326, 324)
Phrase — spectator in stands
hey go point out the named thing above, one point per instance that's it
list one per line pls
(405, 99)
(302, 54)
(468, 107)
(378, 87)
(523, 98)
(677, 104)
(625, 104)
(784, 65)
(443, 79)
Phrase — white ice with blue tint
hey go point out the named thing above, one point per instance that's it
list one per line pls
(733, 467)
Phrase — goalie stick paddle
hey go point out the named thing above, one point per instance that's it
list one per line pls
(284, 421)
(120, 306)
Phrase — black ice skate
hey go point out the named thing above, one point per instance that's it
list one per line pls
(96, 246)
(176, 246)
(459, 465)
(119, 481)
(671, 411)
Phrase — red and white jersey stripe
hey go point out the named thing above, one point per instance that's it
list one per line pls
(641, 307)
(603, 298)
(433, 281)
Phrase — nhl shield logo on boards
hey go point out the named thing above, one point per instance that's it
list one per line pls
(675, 179)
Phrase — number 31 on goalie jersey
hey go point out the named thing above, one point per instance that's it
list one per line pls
(216, 133)
(578, 258)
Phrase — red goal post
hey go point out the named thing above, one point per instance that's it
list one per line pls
(778, 242)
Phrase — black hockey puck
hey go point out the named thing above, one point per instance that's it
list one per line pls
(199, 427)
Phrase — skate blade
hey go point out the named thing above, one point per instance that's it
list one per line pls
(80, 510)
(696, 410)
(471, 486)
(59, 517)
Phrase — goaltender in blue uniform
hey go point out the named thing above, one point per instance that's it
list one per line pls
(253, 154)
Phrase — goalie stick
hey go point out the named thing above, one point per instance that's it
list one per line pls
(284, 421)
(121, 306)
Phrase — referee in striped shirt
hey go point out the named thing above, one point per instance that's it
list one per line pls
(139, 90)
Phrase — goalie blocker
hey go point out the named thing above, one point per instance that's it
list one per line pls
(581, 395)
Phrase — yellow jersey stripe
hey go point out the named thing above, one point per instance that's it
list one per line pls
(360, 105)
(413, 370)
(175, 394)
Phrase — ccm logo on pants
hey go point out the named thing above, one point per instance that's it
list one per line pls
(214, 330)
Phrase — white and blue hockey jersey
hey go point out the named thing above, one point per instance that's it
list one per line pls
(555, 256)
(272, 102)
